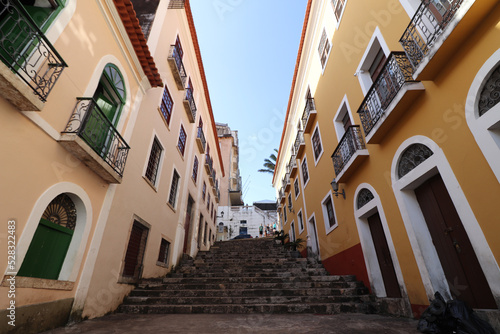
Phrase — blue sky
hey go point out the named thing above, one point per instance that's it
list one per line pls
(249, 49)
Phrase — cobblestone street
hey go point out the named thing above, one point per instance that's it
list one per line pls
(242, 323)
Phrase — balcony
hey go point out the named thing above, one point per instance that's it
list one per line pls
(177, 67)
(30, 65)
(350, 152)
(300, 144)
(282, 195)
(309, 115)
(235, 189)
(392, 94)
(292, 165)
(437, 30)
(286, 182)
(211, 178)
(215, 187)
(93, 139)
(200, 140)
(189, 105)
(208, 164)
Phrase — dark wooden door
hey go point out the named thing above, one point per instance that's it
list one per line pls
(135, 251)
(187, 224)
(458, 259)
(384, 257)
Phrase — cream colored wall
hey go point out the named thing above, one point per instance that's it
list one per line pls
(34, 162)
(226, 147)
(136, 197)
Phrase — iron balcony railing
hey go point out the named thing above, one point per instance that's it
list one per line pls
(235, 184)
(209, 162)
(201, 137)
(428, 23)
(351, 142)
(293, 162)
(174, 53)
(190, 99)
(396, 72)
(26, 51)
(89, 123)
(307, 110)
(299, 140)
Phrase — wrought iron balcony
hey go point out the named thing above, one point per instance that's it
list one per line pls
(177, 67)
(235, 184)
(282, 195)
(429, 22)
(91, 137)
(300, 143)
(189, 105)
(292, 165)
(395, 78)
(308, 115)
(208, 164)
(26, 51)
(200, 140)
(211, 178)
(285, 182)
(350, 148)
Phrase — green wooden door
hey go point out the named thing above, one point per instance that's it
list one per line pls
(47, 251)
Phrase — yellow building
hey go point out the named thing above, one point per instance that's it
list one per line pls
(402, 96)
(110, 155)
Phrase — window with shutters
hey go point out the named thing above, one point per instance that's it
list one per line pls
(338, 8)
(195, 169)
(172, 199)
(181, 144)
(324, 48)
(155, 154)
(316, 144)
(329, 213)
(296, 188)
(204, 192)
(300, 220)
(164, 253)
(167, 105)
(305, 172)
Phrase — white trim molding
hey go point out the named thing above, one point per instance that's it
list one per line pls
(427, 259)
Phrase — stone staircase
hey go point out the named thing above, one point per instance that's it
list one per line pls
(249, 276)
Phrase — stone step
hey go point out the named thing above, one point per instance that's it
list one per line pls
(246, 292)
(260, 273)
(279, 299)
(232, 286)
(250, 279)
(318, 308)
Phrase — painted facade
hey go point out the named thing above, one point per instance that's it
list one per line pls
(98, 155)
(394, 102)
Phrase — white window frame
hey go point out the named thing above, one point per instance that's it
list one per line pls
(302, 173)
(376, 43)
(160, 162)
(297, 193)
(485, 128)
(177, 190)
(341, 13)
(291, 233)
(301, 215)
(327, 43)
(339, 115)
(328, 228)
(316, 160)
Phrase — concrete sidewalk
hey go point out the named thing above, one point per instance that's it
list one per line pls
(242, 323)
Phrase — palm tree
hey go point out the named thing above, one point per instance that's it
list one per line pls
(269, 163)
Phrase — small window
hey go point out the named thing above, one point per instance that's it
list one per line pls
(329, 214)
(205, 234)
(301, 221)
(338, 8)
(154, 161)
(208, 201)
(172, 200)
(178, 46)
(195, 169)
(284, 215)
(324, 48)
(182, 140)
(296, 187)
(290, 206)
(316, 144)
(164, 252)
(166, 105)
(305, 172)
(204, 192)
(291, 234)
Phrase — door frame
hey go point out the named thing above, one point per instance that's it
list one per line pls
(313, 243)
(432, 274)
(365, 236)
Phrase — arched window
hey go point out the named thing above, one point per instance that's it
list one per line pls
(482, 111)
(413, 156)
(50, 243)
(43, 12)
(110, 93)
(364, 196)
